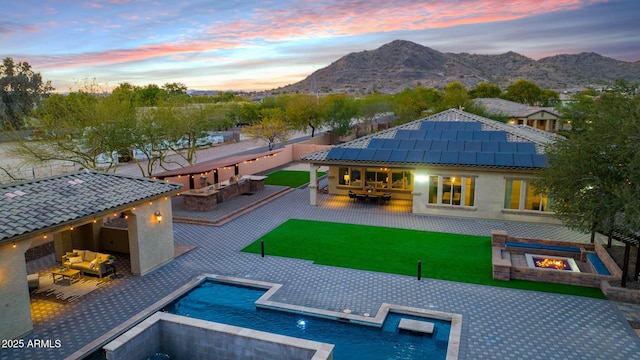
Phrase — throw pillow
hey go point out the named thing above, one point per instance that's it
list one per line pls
(93, 264)
(102, 257)
(71, 254)
(89, 255)
(79, 252)
(75, 260)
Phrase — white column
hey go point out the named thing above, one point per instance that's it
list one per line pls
(313, 184)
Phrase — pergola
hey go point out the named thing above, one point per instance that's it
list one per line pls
(628, 240)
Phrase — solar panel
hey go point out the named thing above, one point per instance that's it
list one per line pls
(433, 135)
(439, 145)
(391, 144)
(335, 153)
(376, 144)
(422, 145)
(442, 125)
(485, 158)
(407, 144)
(415, 156)
(449, 157)
(382, 155)
(539, 161)
(427, 125)
(455, 145)
(418, 135)
(472, 126)
(465, 135)
(473, 146)
(466, 158)
(457, 125)
(526, 148)
(507, 147)
(350, 154)
(497, 136)
(366, 154)
(481, 135)
(398, 155)
(432, 157)
(503, 159)
(449, 135)
(522, 160)
(488, 146)
(403, 134)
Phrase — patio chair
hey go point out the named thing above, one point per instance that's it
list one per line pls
(352, 196)
(385, 198)
(361, 197)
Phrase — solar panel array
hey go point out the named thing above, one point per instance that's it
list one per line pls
(446, 142)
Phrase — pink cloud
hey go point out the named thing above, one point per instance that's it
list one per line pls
(356, 17)
(318, 19)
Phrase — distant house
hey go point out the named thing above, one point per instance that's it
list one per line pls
(541, 118)
(452, 163)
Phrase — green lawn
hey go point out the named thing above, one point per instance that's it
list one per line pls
(454, 257)
(290, 178)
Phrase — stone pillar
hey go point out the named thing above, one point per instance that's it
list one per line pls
(498, 238)
(150, 241)
(313, 184)
(15, 308)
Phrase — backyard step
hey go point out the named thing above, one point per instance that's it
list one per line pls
(416, 326)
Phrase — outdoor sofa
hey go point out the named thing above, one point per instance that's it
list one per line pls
(87, 261)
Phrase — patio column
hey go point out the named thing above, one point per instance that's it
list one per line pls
(15, 308)
(313, 184)
(150, 240)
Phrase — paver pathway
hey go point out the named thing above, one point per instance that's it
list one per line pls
(497, 323)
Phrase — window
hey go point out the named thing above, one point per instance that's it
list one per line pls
(521, 195)
(452, 190)
(381, 178)
(349, 177)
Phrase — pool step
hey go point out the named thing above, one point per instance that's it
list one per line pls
(416, 326)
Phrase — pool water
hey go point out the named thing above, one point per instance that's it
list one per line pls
(235, 305)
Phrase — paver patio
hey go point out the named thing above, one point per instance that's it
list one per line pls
(498, 323)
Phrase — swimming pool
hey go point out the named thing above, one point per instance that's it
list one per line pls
(236, 305)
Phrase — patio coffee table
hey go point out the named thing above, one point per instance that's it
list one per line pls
(68, 274)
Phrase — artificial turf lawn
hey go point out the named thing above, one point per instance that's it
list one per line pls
(444, 256)
(290, 178)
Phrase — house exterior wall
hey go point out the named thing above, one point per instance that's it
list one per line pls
(15, 309)
(489, 197)
(150, 242)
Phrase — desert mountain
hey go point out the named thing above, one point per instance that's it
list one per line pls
(401, 64)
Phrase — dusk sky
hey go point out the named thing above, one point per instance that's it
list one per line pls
(260, 45)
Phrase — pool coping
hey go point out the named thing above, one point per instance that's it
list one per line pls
(453, 346)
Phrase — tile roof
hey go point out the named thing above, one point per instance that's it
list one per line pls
(511, 108)
(43, 203)
(452, 137)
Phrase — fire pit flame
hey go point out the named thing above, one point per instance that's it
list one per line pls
(552, 264)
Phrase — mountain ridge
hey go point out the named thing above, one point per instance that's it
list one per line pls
(404, 64)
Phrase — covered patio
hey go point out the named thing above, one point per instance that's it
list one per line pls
(68, 213)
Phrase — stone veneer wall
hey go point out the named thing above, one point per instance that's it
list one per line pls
(186, 338)
(504, 270)
(39, 251)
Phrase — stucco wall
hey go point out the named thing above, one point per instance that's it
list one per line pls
(150, 242)
(289, 153)
(488, 199)
(15, 310)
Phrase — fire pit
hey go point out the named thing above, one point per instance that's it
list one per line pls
(551, 263)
